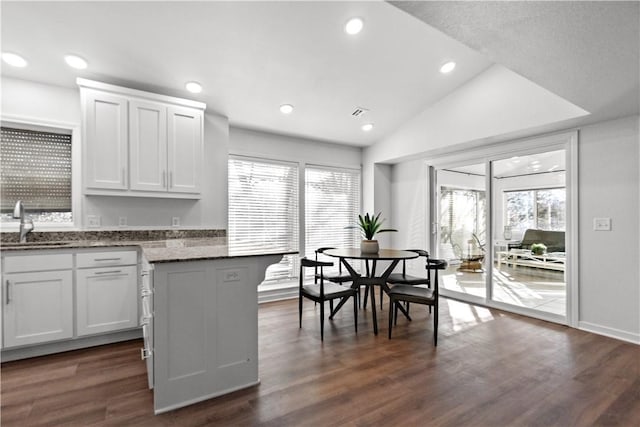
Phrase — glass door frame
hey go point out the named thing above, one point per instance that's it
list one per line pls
(567, 141)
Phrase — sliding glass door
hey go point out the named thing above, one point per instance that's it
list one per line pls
(462, 230)
(529, 222)
(503, 224)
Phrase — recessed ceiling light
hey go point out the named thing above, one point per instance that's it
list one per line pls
(286, 108)
(448, 67)
(354, 26)
(193, 87)
(14, 59)
(367, 127)
(76, 62)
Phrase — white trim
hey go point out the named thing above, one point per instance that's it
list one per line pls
(502, 150)
(74, 128)
(120, 90)
(290, 159)
(572, 276)
(278, 294)
(619, 334)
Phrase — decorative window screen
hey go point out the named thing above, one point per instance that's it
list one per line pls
(36, 168)
(263, 210)
(332, 202)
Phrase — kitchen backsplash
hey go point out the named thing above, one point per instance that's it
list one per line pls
(114, 235)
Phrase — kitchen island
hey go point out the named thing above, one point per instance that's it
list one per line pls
(201, 336)
(197, 299)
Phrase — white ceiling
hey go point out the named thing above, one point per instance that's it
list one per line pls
(587, 52)
(253, 56)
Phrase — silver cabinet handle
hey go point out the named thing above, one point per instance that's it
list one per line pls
(124, 181)
(164, 179)
(8, 296)
(108, 272)
(170, 179)
(106, 259)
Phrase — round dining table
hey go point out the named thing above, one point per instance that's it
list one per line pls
(370, 279)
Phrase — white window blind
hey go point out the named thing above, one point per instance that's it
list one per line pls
(36, 168)
(332, 202)
(263, 210)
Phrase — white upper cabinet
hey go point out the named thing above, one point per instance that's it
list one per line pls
(105, 136)
(141, 144)
(185, 149)
(148, 141)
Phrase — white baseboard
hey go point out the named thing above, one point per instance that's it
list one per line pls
(609, 332)
(9, 354)
(277, 294)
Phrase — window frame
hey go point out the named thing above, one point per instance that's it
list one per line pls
(293, 275)
(535, 191)
(307, 251)
(302, 166)
(61, 127)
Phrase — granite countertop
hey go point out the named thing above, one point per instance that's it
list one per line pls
(176, 247)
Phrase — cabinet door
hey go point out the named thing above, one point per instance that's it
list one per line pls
(106, 299)
(38, 307)
(106, 148)
(148, 146)
(185, 145)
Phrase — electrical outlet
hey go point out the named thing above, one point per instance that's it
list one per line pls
(602, 224)
(175, 221)
(93, 221)
(122, 221)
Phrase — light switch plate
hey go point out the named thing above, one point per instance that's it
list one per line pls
(602, 224)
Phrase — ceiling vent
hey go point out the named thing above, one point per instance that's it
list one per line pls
(359, 112)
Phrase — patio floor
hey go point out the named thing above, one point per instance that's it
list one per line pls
(534, 288)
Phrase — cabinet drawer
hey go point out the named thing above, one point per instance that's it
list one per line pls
(34, 262)
(106, 259)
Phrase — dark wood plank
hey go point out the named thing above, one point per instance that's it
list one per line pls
(490, 368)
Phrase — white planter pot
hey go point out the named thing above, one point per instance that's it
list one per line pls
(369, 247)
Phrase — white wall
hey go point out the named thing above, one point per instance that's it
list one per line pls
(496, 102)
(609, 186)
(281, 147)
(36, 102)
(409, 209)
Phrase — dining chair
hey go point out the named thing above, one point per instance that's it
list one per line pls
(337, 276)
(418, 295)
(407, 279)
(322, 292)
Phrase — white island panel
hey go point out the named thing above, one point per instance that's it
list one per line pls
(205, 328)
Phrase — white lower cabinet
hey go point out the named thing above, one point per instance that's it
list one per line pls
(205, 328)
(106, 299)
(39, 289)
(38, 307)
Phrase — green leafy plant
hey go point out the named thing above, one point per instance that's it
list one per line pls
(370, 225)
(538, 248)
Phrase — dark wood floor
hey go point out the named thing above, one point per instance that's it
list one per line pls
(490, 369)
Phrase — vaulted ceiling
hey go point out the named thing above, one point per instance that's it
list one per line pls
(251, 57)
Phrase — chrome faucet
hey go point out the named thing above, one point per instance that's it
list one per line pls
(26, 225)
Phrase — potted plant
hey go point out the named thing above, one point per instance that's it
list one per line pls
(369, 226)
(538, 248)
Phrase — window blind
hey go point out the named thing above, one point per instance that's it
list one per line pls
(332, 202)
(263, 210)
(36, 168)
